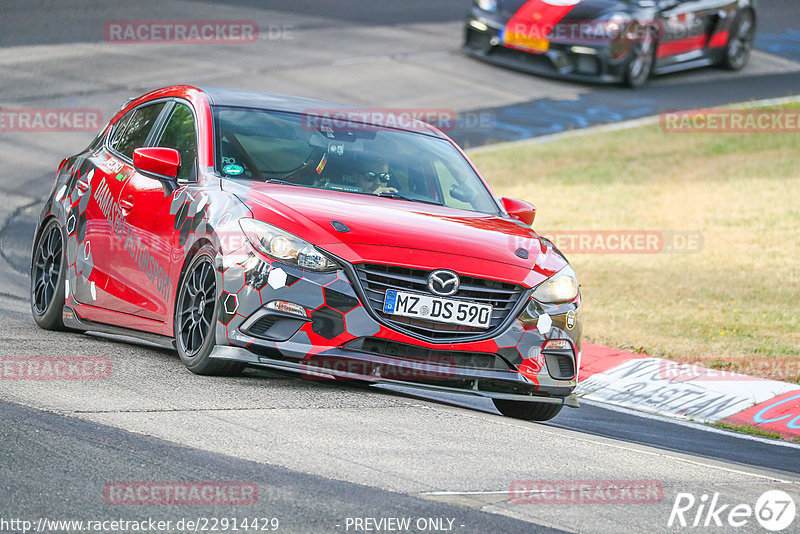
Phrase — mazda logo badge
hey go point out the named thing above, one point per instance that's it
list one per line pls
(443, 283)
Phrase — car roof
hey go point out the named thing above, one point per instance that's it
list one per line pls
(293, 104)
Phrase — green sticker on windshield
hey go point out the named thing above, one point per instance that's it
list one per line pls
(233, 170)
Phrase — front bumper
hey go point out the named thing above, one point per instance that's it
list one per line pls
(593, 63)
(342, 339)
(340, 365)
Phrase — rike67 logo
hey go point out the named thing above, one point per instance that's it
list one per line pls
(774, 510)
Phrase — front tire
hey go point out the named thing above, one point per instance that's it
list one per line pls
(527, 411)
(740, 44)
(196, 318)
(641, 64)
(48, 276)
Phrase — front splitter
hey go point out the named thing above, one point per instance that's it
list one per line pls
(475, 377)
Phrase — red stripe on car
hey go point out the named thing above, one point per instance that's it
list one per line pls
(718, 40)
(681, 46)
(537, 17)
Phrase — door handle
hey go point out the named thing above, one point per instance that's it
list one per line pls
(126, 204)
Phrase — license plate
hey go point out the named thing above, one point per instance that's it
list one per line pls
(437, 309)
(527, 42)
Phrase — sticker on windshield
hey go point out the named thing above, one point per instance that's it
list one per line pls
(233, 170)
(344, 187)
(322, 163)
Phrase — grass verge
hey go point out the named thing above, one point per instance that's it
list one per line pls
(735, 303)
(748, 429)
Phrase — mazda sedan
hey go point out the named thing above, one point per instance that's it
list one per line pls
(252, 229)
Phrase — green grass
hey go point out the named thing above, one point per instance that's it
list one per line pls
(735, 303)
(752, 430)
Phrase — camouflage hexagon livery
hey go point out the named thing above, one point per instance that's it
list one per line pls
(67, 204)
(248, 280)
(322, 313)
(358, 323)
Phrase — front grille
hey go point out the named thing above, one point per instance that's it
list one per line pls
(539, 61)
(446, 358)
(376, 279)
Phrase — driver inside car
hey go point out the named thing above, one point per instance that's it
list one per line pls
(373, 177)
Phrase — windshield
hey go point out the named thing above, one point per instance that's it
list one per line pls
(310, 151)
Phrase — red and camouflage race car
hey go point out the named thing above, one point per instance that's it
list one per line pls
(611, 40)
(250, 229)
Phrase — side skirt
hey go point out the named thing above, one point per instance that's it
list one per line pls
(71, 320)
(686, 65)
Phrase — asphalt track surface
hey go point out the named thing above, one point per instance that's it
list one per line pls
(321, 453)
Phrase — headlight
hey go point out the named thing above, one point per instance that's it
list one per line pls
(561, 287)
(285, 247)
(487, 5)
(616, 24)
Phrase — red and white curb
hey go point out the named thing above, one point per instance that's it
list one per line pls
(664, 387)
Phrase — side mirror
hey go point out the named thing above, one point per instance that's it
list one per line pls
(520, 210)
(163, 162)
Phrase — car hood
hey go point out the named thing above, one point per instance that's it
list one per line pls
(585, 10)
(386, 230)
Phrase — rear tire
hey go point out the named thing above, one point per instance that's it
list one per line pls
(196, 318)
(740, 43)
(527, 411)
(48, 276)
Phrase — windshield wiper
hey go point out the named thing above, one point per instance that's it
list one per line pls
(398, 196)
(281, 182)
